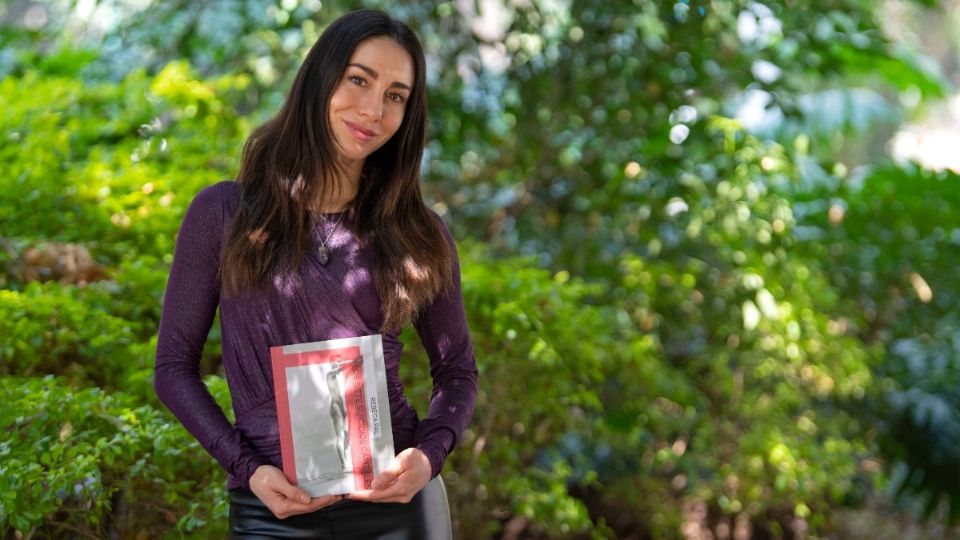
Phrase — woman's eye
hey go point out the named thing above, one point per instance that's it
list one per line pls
(396, 98)
(357, 80)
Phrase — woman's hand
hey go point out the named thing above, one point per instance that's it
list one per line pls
(405, 477)
(283, 498)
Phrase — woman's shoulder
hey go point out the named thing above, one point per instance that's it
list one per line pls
(442, 226)
(218, 193)
(221, 198)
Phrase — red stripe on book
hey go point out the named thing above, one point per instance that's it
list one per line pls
(277, 360)
(359, 429)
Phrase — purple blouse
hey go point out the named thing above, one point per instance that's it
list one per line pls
(323, 302)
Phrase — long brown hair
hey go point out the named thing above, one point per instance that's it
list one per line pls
(290, 162)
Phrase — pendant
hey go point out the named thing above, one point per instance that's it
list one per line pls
(324, 254)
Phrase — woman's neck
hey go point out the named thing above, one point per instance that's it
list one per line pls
(347, 183)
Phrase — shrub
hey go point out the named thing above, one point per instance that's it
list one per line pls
(86, 463)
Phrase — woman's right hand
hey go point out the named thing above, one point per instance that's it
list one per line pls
(283, 498)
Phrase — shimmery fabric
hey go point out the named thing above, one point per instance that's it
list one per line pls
(324, 302)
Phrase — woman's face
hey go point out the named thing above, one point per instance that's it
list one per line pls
(368, 103)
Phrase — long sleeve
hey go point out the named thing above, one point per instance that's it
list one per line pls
(444, 333)
(189, 306)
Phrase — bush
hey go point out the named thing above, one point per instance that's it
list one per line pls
(87, 463)
(544, 348)
(896, 250)
(60, 329)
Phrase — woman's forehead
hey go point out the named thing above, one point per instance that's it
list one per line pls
(386, 59)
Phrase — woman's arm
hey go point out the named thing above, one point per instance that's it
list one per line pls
(443, 331)
(442, 328)
(189, 305)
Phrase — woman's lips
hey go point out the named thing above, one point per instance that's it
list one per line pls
(360, 132)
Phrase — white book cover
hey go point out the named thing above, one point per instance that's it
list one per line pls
(333, 412)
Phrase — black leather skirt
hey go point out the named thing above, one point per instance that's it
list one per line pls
(425, 517)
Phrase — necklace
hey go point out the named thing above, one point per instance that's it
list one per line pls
(324, 250)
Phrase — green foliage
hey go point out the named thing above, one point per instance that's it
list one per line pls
(747, 412)
(127, 194)
(895, 249)
(128, 151)
(545, 347)
(85, 462)
(54, 329)
(110, 167)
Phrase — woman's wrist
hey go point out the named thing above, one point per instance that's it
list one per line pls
(436, 454)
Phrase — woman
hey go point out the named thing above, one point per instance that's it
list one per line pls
(324, 235)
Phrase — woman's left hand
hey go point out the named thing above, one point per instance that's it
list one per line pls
(405, 477)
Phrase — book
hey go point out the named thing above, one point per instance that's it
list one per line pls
(333, 412)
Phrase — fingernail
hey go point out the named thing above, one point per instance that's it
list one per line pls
(304, 499)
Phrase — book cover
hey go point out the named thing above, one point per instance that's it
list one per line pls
(333, 412)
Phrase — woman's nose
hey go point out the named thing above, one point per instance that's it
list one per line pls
(370, 106)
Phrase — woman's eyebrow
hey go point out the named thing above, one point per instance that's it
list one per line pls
(373, 73)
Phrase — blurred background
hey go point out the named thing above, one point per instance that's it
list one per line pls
(709, 258)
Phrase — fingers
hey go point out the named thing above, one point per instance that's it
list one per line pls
(321, 502)
(283, 498)
(401, 490)
(400, 482)
(292, 492)
(371, 495)
(384, 485)
(284, 508)
(280, 484)
(387, 477)
(268, 480)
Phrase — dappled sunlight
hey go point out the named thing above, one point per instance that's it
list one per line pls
(923, 290)
(258, 237)
(933, 141)
(413, 270)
